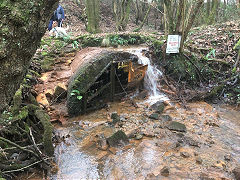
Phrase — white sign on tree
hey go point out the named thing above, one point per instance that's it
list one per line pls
(173, 44)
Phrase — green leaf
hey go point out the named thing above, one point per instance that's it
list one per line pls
(44, 53)
(79, 97)
(72, 94)
(76, 91)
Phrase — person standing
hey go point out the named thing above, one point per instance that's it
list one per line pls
(57, 16)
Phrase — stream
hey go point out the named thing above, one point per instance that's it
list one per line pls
(210, 147)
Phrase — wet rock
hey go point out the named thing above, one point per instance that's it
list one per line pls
(142, 95)
(181, 135)
(131, 133)
(204, 176)
(199, 160)
(145, 120)
(176, 126)
(49, 94)
(165, 171)
(42, 99)
(138, 137)
(118, 138)
(101, 142)
(185, 154)
(60, 91)
(113, 150)
(158, 107)
(115, 117)
(148, 133)
(191, 142)
(154, 116)
(101, 155)
(227, 157)
(236, 172)
(211, 123)
(180, 140)
(166, 118)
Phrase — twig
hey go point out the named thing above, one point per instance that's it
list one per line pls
(21, 169)
(20, 147)
(237, 61)
(11, 148)
(198, 71)
(34, 143)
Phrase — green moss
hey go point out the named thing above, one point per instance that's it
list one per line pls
(34, 73)
(91, 41)
(48, 128)
(29, 76)
(117, 139)
(17, 101)
(47, 63)
(23, 113)
(237, 45)
(32, 100)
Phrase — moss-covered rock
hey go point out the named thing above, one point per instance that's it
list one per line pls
(177, 126)
(115, 117)
(118, 138)
(48, 128)
(17, 101)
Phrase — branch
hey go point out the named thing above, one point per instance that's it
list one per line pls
(21, 169)
(20, 147)
(193, 13)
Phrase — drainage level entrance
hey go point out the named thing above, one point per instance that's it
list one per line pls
(105, 76)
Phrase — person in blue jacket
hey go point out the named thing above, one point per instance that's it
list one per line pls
(57, 16)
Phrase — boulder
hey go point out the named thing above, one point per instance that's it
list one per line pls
(165, 171)
(158, 107)
(118, 138)
(166, 118)
(154, 116)
(177, 126)
(60, 91)
(115, 118)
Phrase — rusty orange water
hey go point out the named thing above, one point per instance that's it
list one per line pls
(79, 158)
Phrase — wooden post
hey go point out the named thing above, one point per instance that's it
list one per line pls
(112, 80)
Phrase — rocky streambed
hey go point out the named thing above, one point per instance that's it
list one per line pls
(133, 139)
(164, 141)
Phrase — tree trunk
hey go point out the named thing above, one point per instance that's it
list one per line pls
(144, 20)
(121, 9)
(208, 8)
(169, 14)
(23, 23)
(92, 11)
(213, 14)
(193, 14)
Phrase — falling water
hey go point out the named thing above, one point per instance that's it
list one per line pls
(152, 76)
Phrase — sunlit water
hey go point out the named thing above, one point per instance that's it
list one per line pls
(152, 76)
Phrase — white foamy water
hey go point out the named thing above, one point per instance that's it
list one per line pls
(152, 76)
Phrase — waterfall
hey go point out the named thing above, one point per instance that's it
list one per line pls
(151, 77)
